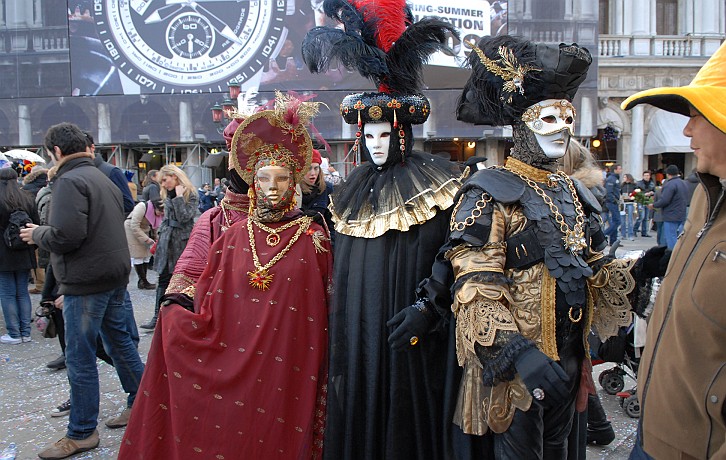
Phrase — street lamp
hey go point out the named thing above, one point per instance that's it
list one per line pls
(222, 113)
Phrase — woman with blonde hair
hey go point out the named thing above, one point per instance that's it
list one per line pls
(180, 206)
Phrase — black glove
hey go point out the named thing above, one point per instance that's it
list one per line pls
(539, 371)
(413, 321)
(655, 261)
(183, 300)
(316, 215)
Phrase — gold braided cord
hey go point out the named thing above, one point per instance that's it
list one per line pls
(574, 239)
(227, 222)
(273, 238)
(261, 274)
(228, 205)
(475, 213)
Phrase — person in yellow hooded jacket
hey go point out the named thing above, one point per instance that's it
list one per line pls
(682, 374)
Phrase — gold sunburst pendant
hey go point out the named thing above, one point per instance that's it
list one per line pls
(260, 279)
(574, 240)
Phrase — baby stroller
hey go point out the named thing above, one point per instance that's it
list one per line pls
(621, 350)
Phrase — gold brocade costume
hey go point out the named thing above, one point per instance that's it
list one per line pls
(525, 306)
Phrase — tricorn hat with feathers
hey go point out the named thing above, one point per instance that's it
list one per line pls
(509, 74)
(384, 44)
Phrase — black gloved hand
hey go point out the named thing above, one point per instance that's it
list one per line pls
(180, 299)
(655, 261)
(317, 217)
(539, 371)
(410, 322)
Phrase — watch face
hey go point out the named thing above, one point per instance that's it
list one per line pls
(171, 46)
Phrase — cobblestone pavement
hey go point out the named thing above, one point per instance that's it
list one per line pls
(29, 390)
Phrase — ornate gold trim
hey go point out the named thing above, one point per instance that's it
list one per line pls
(549, 332)
(507, 68)
(529, 171)
(416, 210)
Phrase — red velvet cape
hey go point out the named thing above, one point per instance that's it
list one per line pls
(245, 377)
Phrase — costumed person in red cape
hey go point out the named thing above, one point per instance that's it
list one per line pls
(246, 375)
(391, 216)
(524, 262)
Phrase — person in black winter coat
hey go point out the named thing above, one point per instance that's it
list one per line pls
(672, 203)
(33, 183)
(152, 189)
(36, 180)
(15, 264)
(612, 201)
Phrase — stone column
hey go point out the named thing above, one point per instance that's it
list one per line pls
(586, 117)
(587, 9)
(186, 125)
(527, 9)
(104, 123)
(3, 5)
(617, 13)
(38, 16)
(641, 13)
(25, 129)
(633, 163)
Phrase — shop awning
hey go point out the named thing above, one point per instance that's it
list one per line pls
(666, 134)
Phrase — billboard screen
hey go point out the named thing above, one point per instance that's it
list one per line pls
(180, 46)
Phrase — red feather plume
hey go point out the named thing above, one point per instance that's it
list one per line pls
(391, 19)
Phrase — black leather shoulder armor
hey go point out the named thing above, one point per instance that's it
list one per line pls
(503, 186)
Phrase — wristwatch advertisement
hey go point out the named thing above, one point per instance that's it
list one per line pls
(178, 46)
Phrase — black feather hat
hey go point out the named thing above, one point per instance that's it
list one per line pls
(384, 44)
(509, 74)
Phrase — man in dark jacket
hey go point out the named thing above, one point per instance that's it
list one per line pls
(672, 203)
(612, 201)
(112, 172)
(91, 263)
(647, 186)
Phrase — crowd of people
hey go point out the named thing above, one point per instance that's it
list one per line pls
(415, 309)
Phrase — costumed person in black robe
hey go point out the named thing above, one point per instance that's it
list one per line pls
(391, 216)
(245, 374)
(524, 260)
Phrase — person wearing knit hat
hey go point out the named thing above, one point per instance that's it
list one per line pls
(387, 357)
(524, 260)
(244, 375)
(681, 379)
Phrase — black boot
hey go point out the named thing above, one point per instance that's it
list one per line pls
(152, 322)
(599, 429)
(143, 283)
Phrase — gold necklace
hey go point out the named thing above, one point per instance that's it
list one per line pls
(227, 222)
(273, 237)
(261, 278)
(573, 239)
